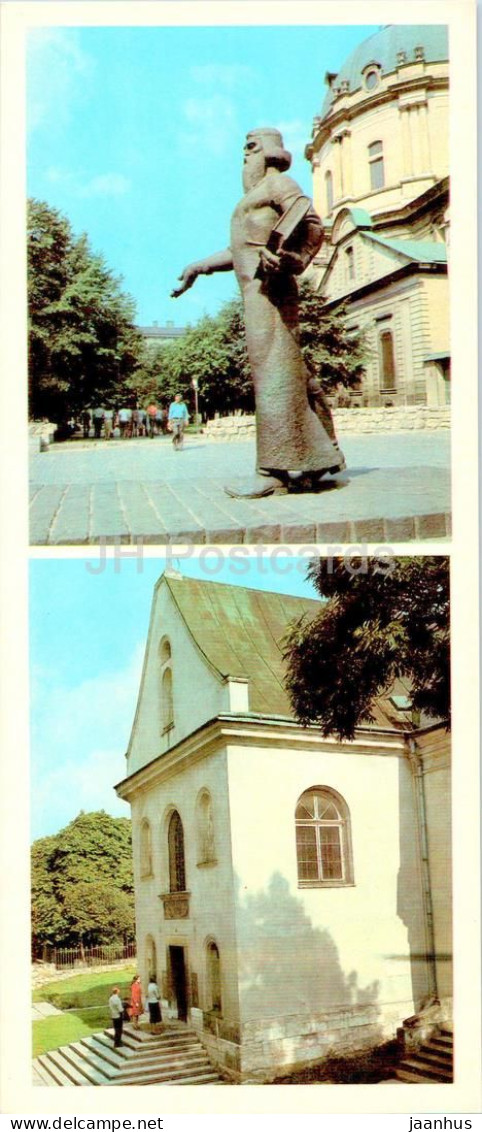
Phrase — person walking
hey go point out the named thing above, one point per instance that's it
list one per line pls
(85, 418)
(177, 421)
(153, 1000)
(98, 418)
(108, 423)
(135, 1005)
(116, 1011)
(151, 416)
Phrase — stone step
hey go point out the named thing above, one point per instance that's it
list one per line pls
(104, 1050)
(419, 1064)
(413, 1078)
(166, 1070)
(50, 1074)
(207, 1077)
(436, 1057)
(97, 1062)
(166, 1056)
(87, 1071)
(60, 1065)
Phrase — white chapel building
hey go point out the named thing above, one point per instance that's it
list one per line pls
(292, 891)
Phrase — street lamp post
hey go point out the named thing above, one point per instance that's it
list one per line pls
(195, 386)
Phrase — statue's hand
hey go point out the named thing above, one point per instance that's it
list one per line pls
(269, 263)
(289, 263)
(188, 277)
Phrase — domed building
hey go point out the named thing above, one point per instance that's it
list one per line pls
(380, 159)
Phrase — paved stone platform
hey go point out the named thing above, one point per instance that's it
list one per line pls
(396, 489)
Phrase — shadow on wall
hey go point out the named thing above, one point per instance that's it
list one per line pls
(286, 965)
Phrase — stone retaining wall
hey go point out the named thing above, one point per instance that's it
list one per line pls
(402, 419)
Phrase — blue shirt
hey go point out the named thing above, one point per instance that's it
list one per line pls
(178, 411)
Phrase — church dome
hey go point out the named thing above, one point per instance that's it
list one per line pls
(384, 50)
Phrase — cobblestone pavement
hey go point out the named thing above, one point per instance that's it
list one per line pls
(396, 488)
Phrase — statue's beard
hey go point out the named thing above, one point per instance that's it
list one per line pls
(253, 170)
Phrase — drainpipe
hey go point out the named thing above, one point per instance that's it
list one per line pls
(416, 764)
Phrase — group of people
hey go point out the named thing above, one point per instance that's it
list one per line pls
(121, 1011)
(155, 420)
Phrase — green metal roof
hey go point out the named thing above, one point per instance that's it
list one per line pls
(383, 48)
(422, 251)
(239, 632)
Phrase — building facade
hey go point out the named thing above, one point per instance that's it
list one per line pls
(284, 896)
(380, 159)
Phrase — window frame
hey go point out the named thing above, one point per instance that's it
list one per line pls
(376, 162)
(387, 332)
(176, 853)
(329, 191)
(318, 823)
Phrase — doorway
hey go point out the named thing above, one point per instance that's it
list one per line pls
(179, 982)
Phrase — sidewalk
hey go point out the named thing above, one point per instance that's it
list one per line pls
(396, 488)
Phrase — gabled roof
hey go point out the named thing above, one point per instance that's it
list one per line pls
(418, 251)
(240, 631)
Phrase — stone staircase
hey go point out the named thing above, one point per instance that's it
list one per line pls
(173, 1057)
(431, 1062)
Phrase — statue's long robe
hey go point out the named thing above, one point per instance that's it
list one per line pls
(290, 437)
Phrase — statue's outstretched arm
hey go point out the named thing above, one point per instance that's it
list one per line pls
(220, 261)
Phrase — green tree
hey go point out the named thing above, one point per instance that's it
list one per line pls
(334, 354)
(82, 882)
(82, 340)
(379, 620)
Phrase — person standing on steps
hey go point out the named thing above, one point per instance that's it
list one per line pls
(135, 1004)
(116, 1011)
(153, 1000)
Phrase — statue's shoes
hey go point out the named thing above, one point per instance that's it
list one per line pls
(255, 487)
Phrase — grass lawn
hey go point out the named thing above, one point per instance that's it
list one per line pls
(88, 989)
(61, 1029)
(85, 997)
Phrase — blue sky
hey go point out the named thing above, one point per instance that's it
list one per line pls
(136, 134)
(89, 621)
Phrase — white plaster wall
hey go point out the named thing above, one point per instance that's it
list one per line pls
(198, 694)
(211, 908)
(310, 950)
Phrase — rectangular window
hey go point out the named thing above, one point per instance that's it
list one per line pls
(375, 161)
(387, 361)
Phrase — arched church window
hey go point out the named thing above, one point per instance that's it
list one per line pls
(323, 839)
(214, 978)
(177, 867)
(329, 190)
(146, 848)
(350, 264)
(205, 830)
(167, 699)
(375, 161)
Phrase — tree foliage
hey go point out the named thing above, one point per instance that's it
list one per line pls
(380, 619)
(334, 354)
(82, 340)
(214, 353)
(82, 883)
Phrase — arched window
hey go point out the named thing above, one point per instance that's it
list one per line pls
(146, 849)
(350, 264)
(375, 161)
(177, 868)
(323, 841)
(329, 190)
(167, 700)
(387, 362)
(214, 978)
(205, 830)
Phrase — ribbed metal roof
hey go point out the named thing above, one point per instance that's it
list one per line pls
(240, 631)
(383, 48)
